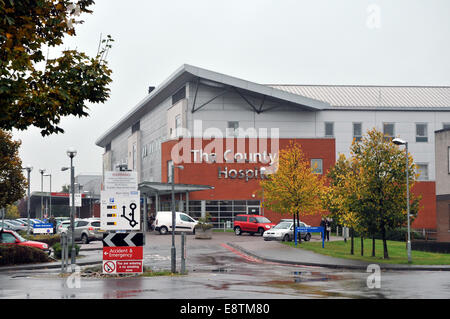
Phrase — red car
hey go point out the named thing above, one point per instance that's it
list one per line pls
(10, 237)
(253, 224)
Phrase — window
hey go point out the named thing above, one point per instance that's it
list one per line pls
(233, 127)
(421, 132)
(186, 218)
(181, 94)
(316, 165)
(136, 127)
(81, 223)
(422, 169)
(446, 126)
(357, 131)
(389, 130)
(329, 129)
(169, 171)
(8, 238)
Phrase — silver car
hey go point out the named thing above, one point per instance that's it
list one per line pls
(86, 230)
(284, 231)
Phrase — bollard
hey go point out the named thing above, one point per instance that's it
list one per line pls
(183, 253)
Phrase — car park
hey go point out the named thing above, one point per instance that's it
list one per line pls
(87, 230)
(10, 237)
(183, 222)
(252, 224)
(284, 231)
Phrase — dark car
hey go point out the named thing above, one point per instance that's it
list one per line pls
(252, 224)
(10, 237)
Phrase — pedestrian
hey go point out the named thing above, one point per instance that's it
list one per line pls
(328, 228)
(52, 221)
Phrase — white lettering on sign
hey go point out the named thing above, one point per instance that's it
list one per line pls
(229, 157)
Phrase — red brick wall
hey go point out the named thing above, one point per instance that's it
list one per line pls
(239, 189)
(427, 213)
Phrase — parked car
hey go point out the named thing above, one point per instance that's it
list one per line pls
(86, 230)
(62, 226)
(183, 222)
(10, 237)
(284, 231)
(252, 224)
(11, 224)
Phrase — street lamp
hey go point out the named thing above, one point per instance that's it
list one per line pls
(172, 250)
(71, 152)
(50, 212)
(398, 141)
(28, 168)
(42, 171)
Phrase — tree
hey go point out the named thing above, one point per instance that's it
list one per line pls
(294, 188)
(368, 190)
(65, 189)
(12, 181)
(12, 212)
(35, 90)
(383, 182)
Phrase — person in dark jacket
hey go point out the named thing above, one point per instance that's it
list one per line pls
(323, 224)
(327, 228)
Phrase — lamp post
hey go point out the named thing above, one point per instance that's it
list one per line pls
(398, 141)
(42, 171)
(50, 212)
(71, 152)
(28, 168)
(172, 250)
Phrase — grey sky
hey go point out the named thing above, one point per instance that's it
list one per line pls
(277, 41)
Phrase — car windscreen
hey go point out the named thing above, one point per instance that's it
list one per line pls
(284, 225)
(262, 220)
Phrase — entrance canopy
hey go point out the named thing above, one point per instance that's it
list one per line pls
(155, 188)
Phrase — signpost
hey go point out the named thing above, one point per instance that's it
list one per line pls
(120, 213)
(309, 230)
(123, 253)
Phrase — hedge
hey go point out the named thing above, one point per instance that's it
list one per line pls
(50, 240)
(17, 254)
(57, 250)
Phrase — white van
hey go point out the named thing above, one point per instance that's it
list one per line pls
(183, 222)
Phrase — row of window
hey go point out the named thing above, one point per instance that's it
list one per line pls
(388, 129)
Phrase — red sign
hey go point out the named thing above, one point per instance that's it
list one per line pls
(123, 253)
(109, 267)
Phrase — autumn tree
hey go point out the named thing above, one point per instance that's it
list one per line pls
(368, 190)
(12, 212)
(36, 90)
(12, 181)
(294, 188)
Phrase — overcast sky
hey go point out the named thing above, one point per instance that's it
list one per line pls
(366, 42)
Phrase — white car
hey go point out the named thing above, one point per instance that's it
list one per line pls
(284, 231)
(183, 222)
(63, 226)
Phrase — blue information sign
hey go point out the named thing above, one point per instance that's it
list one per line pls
(310, 230)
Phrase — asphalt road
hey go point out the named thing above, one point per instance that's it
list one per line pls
(215, 270)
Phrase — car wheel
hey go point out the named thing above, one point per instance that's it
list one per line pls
(307, 237)
(237, 231)
(193, 231)
(163, 230)
(286, 237)
(260, 231)
(84, 239)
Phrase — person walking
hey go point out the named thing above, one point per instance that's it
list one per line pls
(323, 224)
(328, 228)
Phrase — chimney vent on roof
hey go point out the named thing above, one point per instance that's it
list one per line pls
(150, 89)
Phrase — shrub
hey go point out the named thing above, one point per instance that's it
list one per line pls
(57, 250)
(17, 254)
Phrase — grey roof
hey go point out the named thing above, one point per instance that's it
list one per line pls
(188, 73)
(379, 97)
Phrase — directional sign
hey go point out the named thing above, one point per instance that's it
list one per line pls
(120, 210)
(123, 239)
(123, 253)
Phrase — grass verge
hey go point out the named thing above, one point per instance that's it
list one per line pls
(397, 252)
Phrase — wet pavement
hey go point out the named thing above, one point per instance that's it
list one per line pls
(217, 270)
